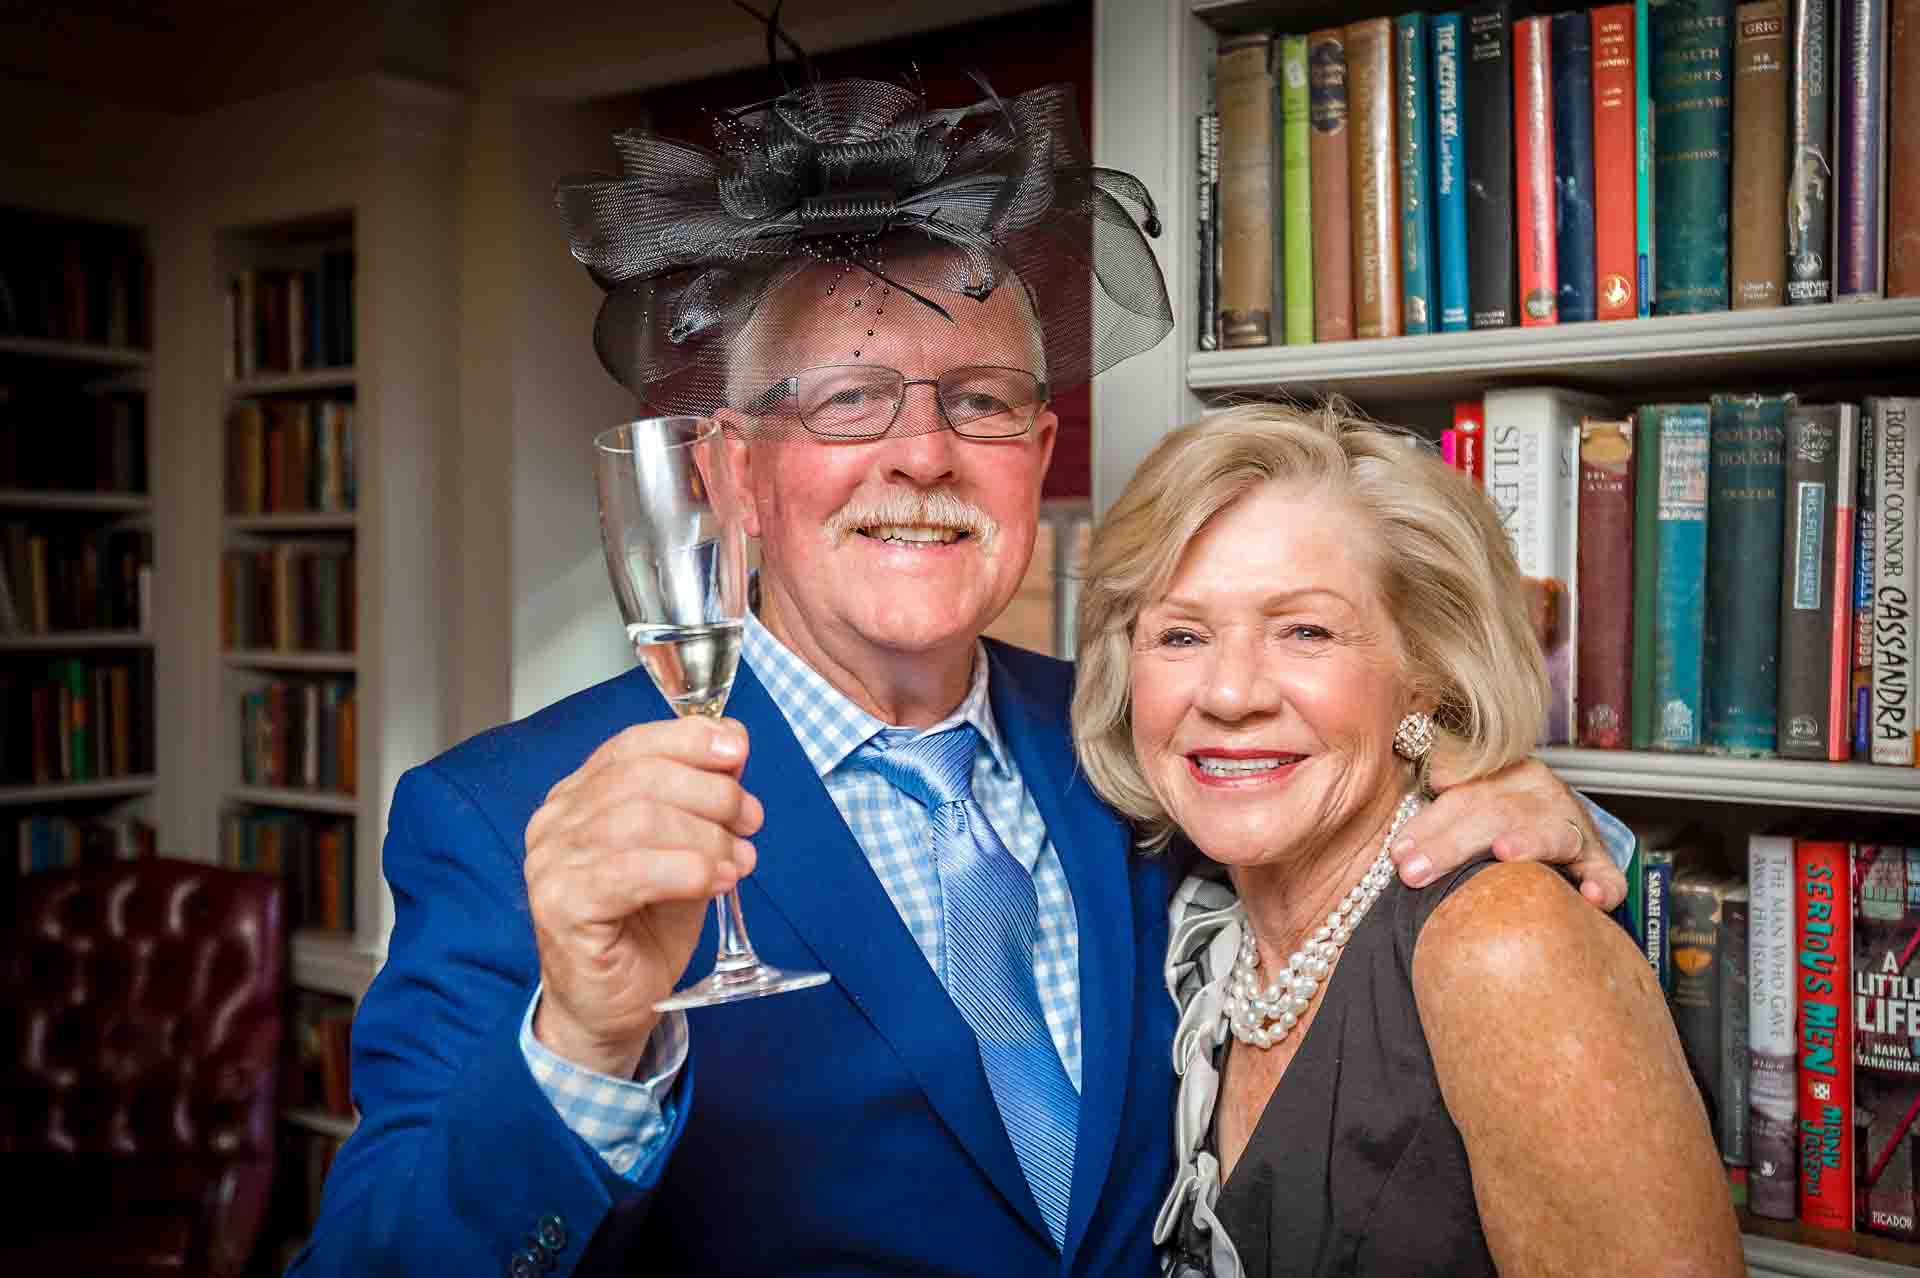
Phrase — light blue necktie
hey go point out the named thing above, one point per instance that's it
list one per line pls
(991, 919)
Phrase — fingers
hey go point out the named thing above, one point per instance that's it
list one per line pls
(1521, 813)
(698, 743)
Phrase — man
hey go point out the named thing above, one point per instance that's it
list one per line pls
(523, 1107)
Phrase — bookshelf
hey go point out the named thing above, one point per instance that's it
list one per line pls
(1153, 62)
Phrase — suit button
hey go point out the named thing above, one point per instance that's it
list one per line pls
(525, 1264)
(553, 1233)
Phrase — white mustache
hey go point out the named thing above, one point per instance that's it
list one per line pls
(938, 509)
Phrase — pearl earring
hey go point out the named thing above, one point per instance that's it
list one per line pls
(1414, 737)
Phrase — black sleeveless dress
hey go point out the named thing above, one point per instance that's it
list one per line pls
(1355, 1166)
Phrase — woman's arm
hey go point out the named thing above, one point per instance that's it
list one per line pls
(1590, 1148)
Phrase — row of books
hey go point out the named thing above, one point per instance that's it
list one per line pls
(1464, 170)
(46, 842)
(77, 721)
(300, 734)
(286, 455)
(1734, 575)
(1791, 990)
(62, 280)
(56, 580)
(317, 1071)
(313, 854)
(289, 597)
(57, 439)
(291, 321)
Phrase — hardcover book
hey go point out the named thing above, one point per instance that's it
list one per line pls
(1865, 559)
(1243, 84)
(1489, 108)
(1823, 919)
(1296, 188)
(1886, 1036)
(1470, 439)
(1449, 176)
(1760, 154)
(1604, 584)
(1415, 138)
(1810, 588)
(1374, 188)
(1861, 180)
(1655, 893)
(1533, 230)
(1573, 165)
(1614, 55)
(1903, 164)
(1735, 910)
(1332, 249)
(1693, 153)
(1646, 574)
(1773, 1186)
(1810, 142)
(1678, 594)
(1896, 490)
(1643, 165)
(1693, 940)
(1744, 524)
(1206, 227)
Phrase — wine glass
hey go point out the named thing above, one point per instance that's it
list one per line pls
(677, 555)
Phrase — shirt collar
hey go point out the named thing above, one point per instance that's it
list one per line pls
(830, 726)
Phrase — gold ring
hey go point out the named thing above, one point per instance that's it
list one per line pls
(1579, 834)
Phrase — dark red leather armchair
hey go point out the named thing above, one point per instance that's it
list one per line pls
(137, 1123)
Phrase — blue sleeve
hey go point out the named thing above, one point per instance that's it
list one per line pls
(460, 1163)
(1613, 832)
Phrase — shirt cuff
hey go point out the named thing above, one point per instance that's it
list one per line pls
(624, 1120)
(1613, 832)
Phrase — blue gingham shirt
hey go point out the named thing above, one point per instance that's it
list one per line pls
(625, 1120)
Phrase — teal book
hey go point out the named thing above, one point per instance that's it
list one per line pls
(1296, 189)
(1680, 575)
(1646, 559)
(1693, 153)
(1745, 528)
(1449, 167)
(1415, 139)
(1643, 154)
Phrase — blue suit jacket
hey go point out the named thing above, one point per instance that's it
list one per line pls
(847, 1129)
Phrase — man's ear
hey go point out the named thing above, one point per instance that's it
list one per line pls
(736, 432)
(1046, 433)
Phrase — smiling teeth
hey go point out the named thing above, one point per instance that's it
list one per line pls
(1237, 767)
(901, 532)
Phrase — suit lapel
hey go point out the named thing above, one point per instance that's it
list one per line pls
(813, 872)
(1093, 848)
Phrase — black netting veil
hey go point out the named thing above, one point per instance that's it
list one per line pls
(846, 222)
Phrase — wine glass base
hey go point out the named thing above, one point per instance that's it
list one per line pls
(755, 981)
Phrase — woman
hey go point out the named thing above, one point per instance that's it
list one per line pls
(1289, 617)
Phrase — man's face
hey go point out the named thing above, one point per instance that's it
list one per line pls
(914, 542)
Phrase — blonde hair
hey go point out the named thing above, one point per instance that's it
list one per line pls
(1447, 578)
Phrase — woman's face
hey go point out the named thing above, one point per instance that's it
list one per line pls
(1267, 684)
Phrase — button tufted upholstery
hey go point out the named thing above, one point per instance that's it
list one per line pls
(136, 1124)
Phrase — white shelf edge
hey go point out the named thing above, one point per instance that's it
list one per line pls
(304, 800)
(35, 499)
(272, 659)
(74, 640)
(76, 352)
(1768, 1257)
(315, 1120)
(292, 383)
(1553, 350)
(301, 521)
(333, 963)
(1713, 778)
(74, 791)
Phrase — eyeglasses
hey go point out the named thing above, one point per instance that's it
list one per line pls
(863, 401)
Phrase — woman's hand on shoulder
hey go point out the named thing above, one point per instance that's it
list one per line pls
(1557, 1058)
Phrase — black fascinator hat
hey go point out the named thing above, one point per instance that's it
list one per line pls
(873, 205)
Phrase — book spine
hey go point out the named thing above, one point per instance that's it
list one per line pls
(1646, 506)
(1679, 595)
(1807, 587)
(1332, 254)
(1810, 170)
(1865, 560)
(1693, 150)
(1375, 221)
(1744, 524)
(1643, 157)
(1656, 893)
(1573, 165)
(1903, 160)
(1488, 90)
(1861, 182)
(1533, 230)
(1470, 445)
(1760, 154)
(1415, 137)
(1296, 187)
(1823, 928)
(1604, 584)
(1896, 490)
(1734, 977)
(1693, 941)
(1208, 282)
(1614, 57)
(1840, 565)
(1243, 82)
(1772, 1150)
(1886, 1036)
(1449, 176)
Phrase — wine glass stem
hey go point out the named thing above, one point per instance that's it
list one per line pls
(734, 951)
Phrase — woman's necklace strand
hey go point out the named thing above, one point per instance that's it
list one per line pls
(1263, 1016)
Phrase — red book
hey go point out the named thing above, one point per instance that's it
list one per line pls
(1533, 211)
(1823, 928)
(1449, 447)
(1613, 179)
(1604, 585)
(1469, 431)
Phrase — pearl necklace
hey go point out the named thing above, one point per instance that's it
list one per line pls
(1262, 1017)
